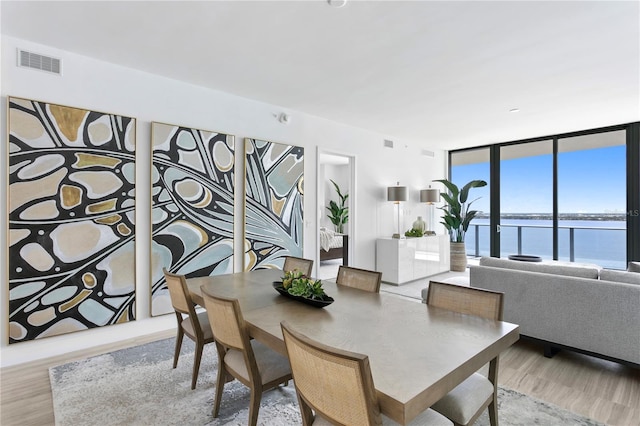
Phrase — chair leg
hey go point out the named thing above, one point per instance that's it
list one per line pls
(493, 377)
(176, 353)
(493, 413)
(220, 381)
(254, 407)
(196, 364)
(305, 411)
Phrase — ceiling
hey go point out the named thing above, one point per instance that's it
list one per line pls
(442, 74)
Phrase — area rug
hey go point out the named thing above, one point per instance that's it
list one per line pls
(138, 387)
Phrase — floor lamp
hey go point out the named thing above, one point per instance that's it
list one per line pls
(397, 194)
(430, 196)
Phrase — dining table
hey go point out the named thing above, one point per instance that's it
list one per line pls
(417, 353)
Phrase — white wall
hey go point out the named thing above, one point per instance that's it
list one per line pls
(91, 84)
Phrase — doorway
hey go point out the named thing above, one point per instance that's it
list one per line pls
(336, 196)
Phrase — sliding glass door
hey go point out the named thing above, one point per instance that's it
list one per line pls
(526, 199)
(471, 165)
(592, 199)
(571, 197)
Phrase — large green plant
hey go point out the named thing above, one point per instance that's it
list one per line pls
(338, 214)
(457, 214)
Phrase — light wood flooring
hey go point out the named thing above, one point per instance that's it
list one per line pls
(604, 391)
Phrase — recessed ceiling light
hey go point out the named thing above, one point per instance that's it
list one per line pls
(337, 3)
(514, 110)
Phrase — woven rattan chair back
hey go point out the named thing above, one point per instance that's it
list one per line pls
(361, 279)
(465, 398)
(297, 263)
(179, 293)
(466, 300)
(227, 322)
(334, 383)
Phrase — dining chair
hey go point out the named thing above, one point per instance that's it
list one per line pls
(337, 385)
(292, 263)
(359, 278)
(195, 326)
(249, 361)
(464, 404)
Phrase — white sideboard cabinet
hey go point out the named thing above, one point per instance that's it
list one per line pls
(404, 260)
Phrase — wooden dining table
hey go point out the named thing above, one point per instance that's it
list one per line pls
(417, 353)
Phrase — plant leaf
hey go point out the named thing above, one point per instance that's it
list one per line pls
(464, 193)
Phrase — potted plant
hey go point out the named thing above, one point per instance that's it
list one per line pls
(457, 217)
(339, 214)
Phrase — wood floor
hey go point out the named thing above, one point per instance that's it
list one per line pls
(598, 389)
(601, 390)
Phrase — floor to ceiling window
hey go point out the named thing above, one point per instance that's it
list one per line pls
(567, 197)
(592, 199)
(466, 166)
(526, 199)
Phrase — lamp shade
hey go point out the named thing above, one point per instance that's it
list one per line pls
(429, 195)
(397, 193)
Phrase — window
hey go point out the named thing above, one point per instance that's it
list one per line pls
(571, 197)
(592, 199)
(526, 199)
(466, 166)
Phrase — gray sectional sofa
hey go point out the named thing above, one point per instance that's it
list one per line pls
(566, 305)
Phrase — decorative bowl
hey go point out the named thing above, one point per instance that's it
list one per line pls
(318, 303)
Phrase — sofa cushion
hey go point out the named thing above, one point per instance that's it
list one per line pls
(579, 270)
(620, 276)
(634, 267)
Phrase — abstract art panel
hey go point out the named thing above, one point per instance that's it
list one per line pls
(71, 219)
(192, 195)
(274, 219)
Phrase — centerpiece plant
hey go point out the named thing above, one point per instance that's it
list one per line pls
(413, 232)
(298, 284)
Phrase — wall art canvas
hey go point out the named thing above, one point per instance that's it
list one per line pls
(192, 206)
(71, 219)
(274, 219)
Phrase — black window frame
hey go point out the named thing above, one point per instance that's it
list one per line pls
(633, 184)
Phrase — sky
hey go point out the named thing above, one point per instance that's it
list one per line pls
(589, 181)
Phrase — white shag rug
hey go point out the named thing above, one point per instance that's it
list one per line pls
(138, 387)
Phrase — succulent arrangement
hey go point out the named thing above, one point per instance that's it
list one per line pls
(413, 232)
(298, 284)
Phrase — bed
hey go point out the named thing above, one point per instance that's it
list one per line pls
(334, 246)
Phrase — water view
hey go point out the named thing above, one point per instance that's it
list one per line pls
(583, 238)
(581, 173)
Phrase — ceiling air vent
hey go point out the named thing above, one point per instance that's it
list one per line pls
(39, 62)
(388, 143)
